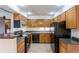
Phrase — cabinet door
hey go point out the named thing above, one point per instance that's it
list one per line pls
(73, 48)
(45, 38)
(59, 18)
(16, 16)
(62, 47)
(77, 16)
(71, 18)
(55, 19)
(20, 45)
(7, 23)
(62, 50)
(63, 16)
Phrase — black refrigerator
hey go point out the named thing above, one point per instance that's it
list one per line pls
(60, 32)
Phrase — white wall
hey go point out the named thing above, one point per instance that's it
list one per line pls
(8, 46)
(75, 33)
(5, 13)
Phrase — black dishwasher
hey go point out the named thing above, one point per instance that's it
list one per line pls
(35, 37)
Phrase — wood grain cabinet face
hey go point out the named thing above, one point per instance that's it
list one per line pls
(59, 18)
(16, 16)
(45, 38)
(74, 48)
(39, 23)
(63, 50)
(7, 24)
(68, 48)
(63, 16)
(20, 45)
(77, 7)
(55, 19)
(71, 18)
(62, 47)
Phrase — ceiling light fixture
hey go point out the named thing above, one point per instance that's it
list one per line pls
(59, 5)
(29, 13)
(51, 13)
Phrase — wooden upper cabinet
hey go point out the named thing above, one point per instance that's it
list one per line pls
(16, 16)
(71, 18)
(63, 16)
(7, 23)
(55, 19)
(39, 23)
(77, 7)
(59, 18)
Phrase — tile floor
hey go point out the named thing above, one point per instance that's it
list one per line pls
(40, 48)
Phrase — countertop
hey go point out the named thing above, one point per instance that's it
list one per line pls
(7, 36)
(68, 41)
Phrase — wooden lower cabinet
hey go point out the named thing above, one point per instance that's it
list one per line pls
(45, 38)
(62, 47)
(63, 50)
(42, 38)
(74, 48)
(68, 48)
(20, 45)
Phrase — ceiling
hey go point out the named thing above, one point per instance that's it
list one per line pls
(6, 8)
(40, 10)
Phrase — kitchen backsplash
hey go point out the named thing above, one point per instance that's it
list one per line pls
(75, 33)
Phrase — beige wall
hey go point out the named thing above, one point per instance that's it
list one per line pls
(8, 46)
